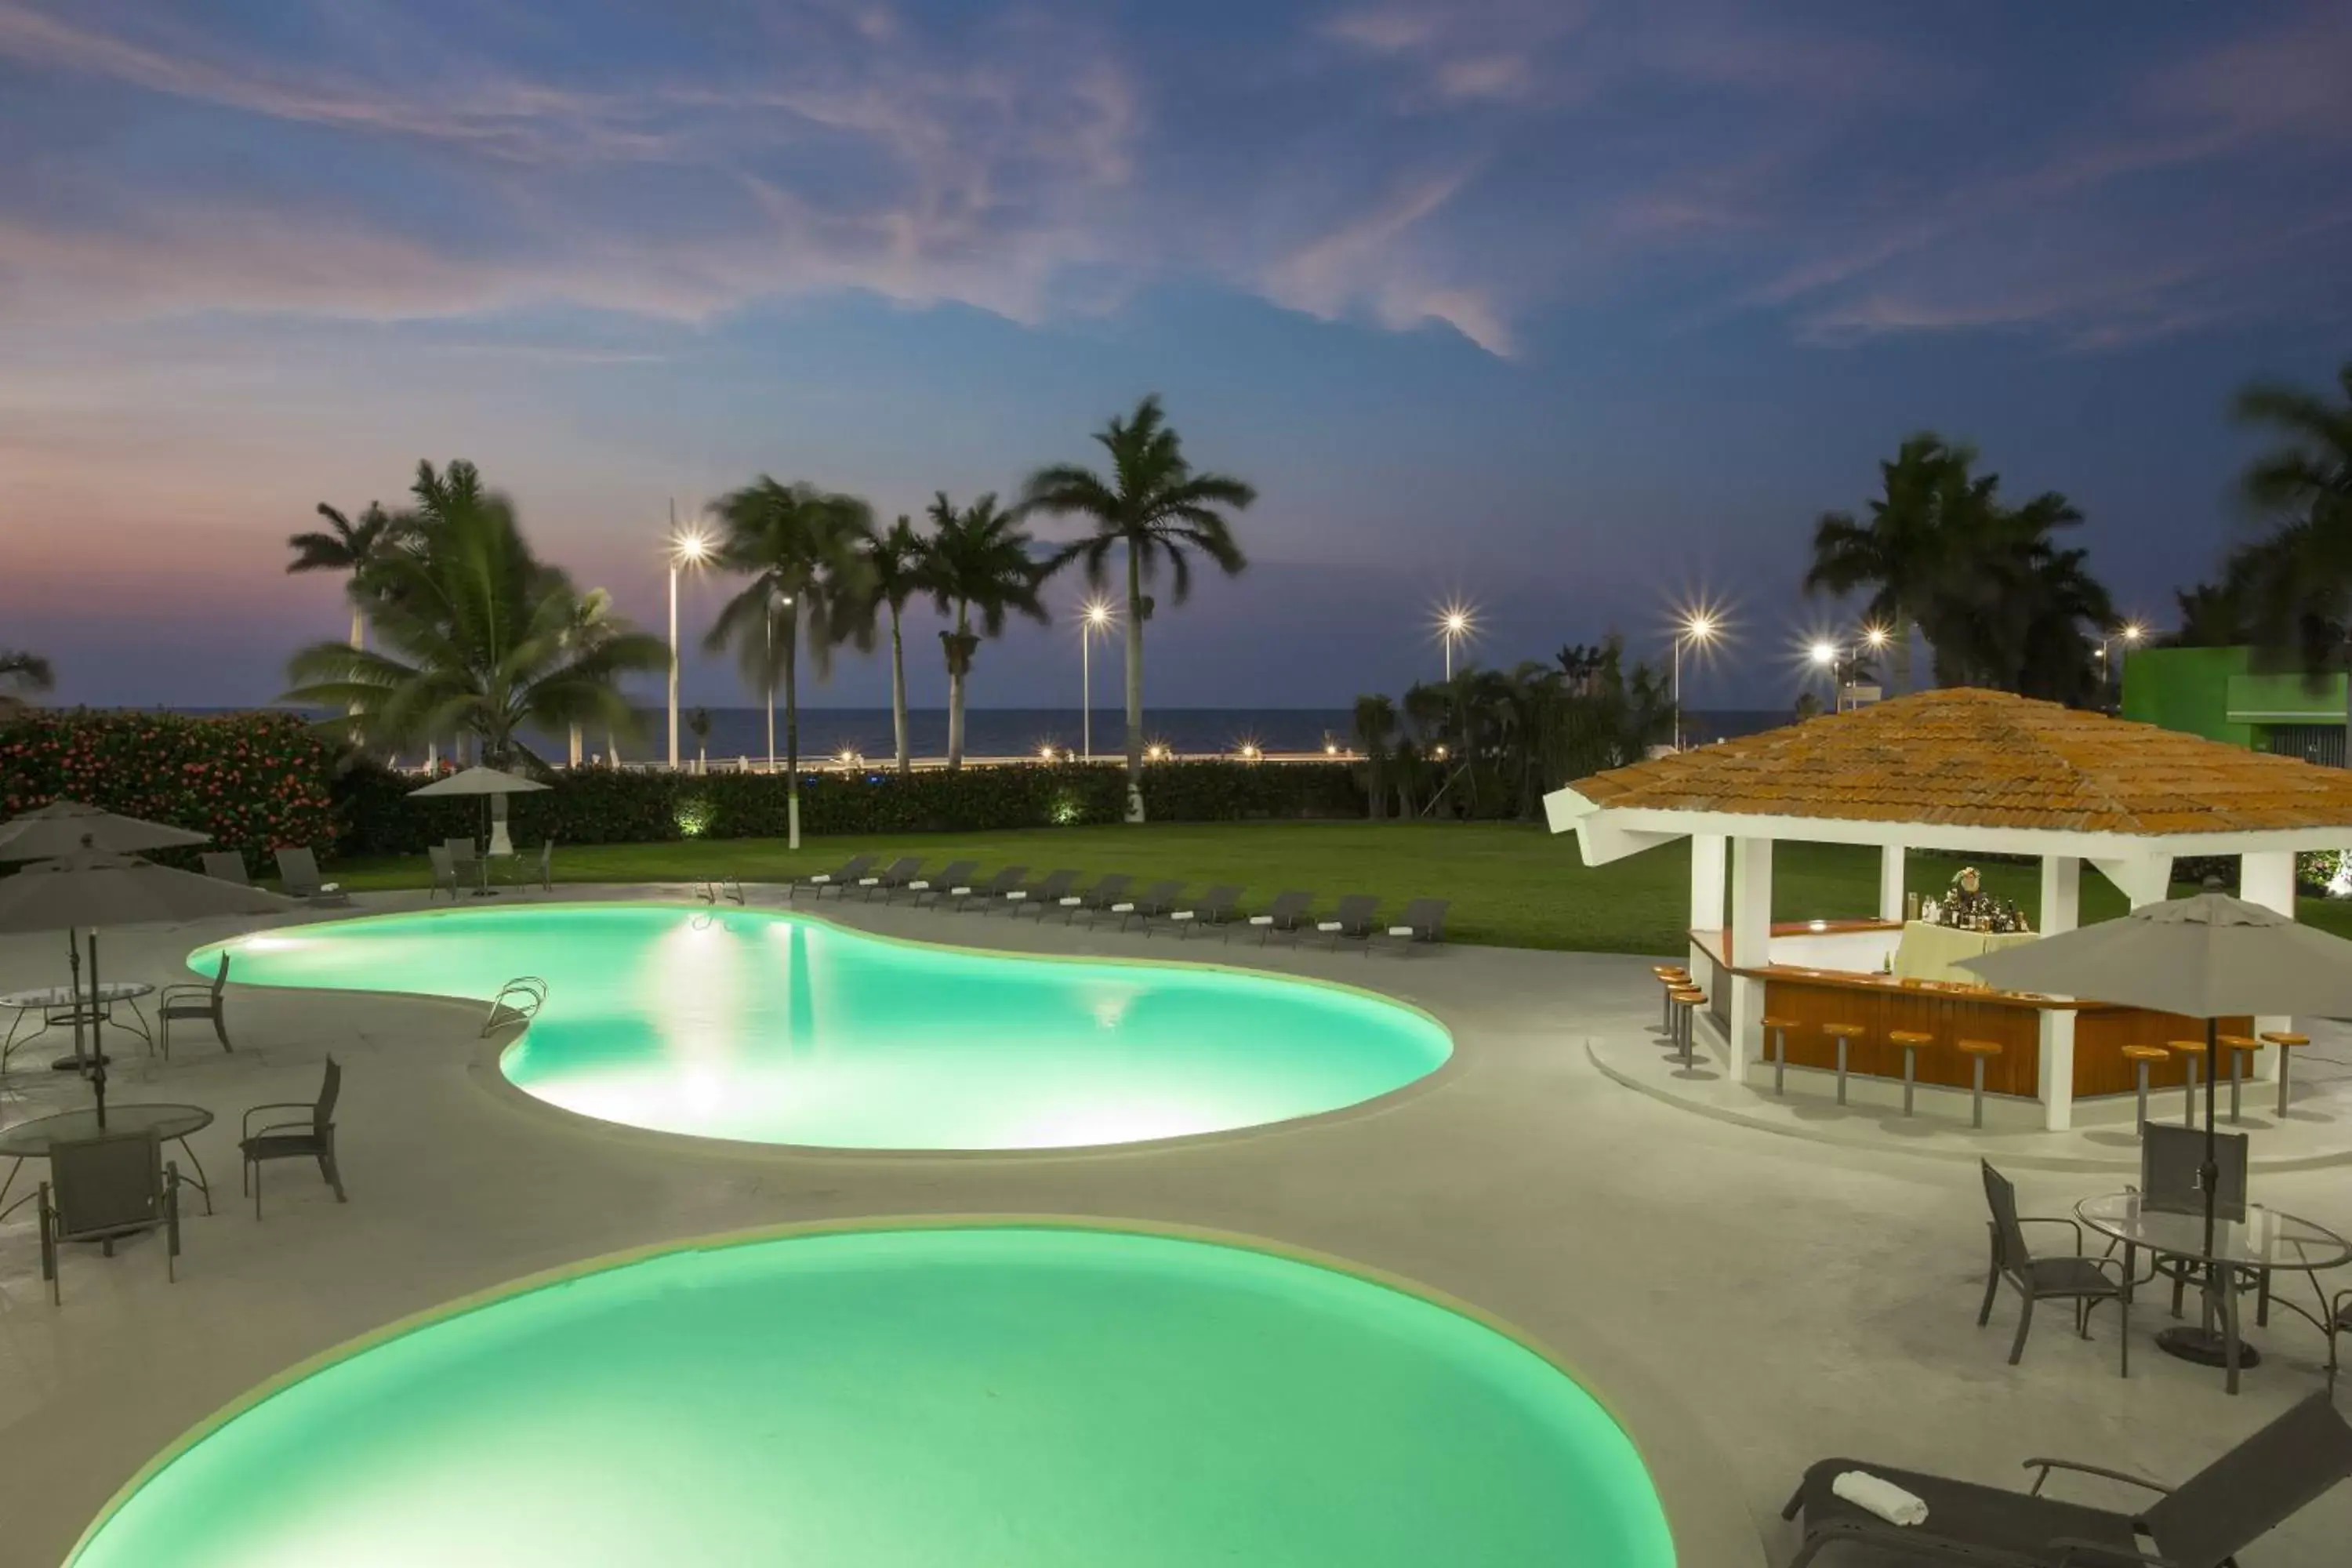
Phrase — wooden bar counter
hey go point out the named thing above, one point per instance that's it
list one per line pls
(1809, 997)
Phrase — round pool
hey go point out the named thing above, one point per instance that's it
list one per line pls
(775, 1028)
(1015, 1395)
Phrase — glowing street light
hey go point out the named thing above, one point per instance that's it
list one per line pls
(2130, 633)
(1456, 622)
(690, 548)
(1094, 619)
(1699, 626)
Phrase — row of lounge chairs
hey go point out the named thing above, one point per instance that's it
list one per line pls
(298, 873)
(1158, 906)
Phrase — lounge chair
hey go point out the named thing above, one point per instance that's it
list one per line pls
(1424, 920)
(309, 1137)
(1094, 900)
(841, 877)
(104, 1188)
(298, 869)
(1351, 922)
(225, 866)
(900, 872)
(445, 872)
(547, 864)
(2202, 1524)
(988, 892)
(1214, 907)
(1155, 899)
(193, 999)
(1043, 894)
(937, 883)
(1286, 913)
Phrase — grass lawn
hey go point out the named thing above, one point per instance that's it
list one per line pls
(1511, 885)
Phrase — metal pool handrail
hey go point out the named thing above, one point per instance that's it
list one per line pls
(714, 889)
(518, 1001)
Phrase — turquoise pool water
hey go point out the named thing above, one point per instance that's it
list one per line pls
(768, 1028)
(968, 1397)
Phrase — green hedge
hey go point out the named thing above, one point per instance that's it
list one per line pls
(598, 806)
(253, 780)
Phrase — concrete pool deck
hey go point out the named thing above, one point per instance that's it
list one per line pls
(1748, 1302)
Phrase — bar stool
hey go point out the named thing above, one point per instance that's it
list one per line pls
(1670, 975)
(1976, 1050)
(2140, 1056)
(2192, 1055)
(1841, 1033)
(2286, 1042)
(2241, 1051)
(1779, 1029)
(1910, 1040)
(1687, 1001)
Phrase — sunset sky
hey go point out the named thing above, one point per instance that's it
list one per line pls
(1572, 308)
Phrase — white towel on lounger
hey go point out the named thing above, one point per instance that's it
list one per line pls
(1881, 1496)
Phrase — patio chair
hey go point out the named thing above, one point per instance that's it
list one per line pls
(227, 866)
(1214, 907)
(547, 864)
(842, 876)
(1286, 913)
(985, 893)
(935, 885)
(467, 859)
(2086, 1281)
(2172, 1180)
(298, 869)
(1043, 894)
(1424, 920)
(1351, 922)
(1094, 900)
(2202, 1524)
(445, 872)
(308, 1137)
(189, 999)
(1154, 899)
(890, 879)
(2339, 1322)
(104, 1188)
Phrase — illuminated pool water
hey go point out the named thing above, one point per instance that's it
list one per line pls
(967, 1397)
(764, 1028)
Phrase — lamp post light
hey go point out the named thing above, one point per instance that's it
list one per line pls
(1698, 628)
(2130, 633)
(1826, 657)
(1093, 621)
(1456, 622)
(688, 549)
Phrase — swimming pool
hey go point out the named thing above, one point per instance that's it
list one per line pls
(1006, 1395)
(775, 1028)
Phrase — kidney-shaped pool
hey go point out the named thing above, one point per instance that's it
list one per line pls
(772, 1028)
(1016, 1395)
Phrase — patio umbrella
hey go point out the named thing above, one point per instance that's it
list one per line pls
(2211, 956)
(493, 785)
(93, 889)
(67, 826)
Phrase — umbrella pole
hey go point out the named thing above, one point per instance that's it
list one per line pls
(73, 967)
(2209, 1173)
(96, 1046)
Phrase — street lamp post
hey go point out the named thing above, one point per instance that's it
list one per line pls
(685, 549)
(2129, 633)
(1697, 627)
(1455, 623)
(1095, 618)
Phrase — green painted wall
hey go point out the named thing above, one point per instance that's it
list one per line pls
(2187, 689)
(2285, 699)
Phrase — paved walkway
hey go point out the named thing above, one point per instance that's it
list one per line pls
(1747, 1302)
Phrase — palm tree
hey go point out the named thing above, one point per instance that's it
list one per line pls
(1903, 553)
(698, 724)
(21, 672)
(894, 561)
(476, 632)
(977, 561)
(2298, 581)
(799, 546)
(593, 620)
(348, 547)
(1159, 509)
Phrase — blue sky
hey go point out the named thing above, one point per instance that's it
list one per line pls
(1575, 310)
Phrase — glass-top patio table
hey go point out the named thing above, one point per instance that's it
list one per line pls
(2265, 1241)
(169, 1124)
(57, 1005)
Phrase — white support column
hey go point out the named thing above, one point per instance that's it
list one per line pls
(2268, 879)
(1751, 943)
(2061, 897)
(1707, 850)
(1890, 882)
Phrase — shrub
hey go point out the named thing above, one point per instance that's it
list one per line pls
(252, 781)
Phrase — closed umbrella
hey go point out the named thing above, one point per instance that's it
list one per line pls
(93, 889)
(493, 785)
(2209, 957)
